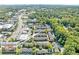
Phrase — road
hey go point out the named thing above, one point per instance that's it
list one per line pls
(19, 27)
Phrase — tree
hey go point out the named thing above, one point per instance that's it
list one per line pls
(70, 46)
(69, 50)
(50, 46)
(18, 50)
(11, 40)
(34, 50)
(60, 32)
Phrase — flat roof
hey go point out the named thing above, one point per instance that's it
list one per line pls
(26, 49)
(4, 43)
(23, 37)
(7, 25)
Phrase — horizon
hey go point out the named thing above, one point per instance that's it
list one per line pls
(39, 2)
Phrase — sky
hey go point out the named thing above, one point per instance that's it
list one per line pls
(53, 2)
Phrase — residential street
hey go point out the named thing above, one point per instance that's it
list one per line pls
(19, 27)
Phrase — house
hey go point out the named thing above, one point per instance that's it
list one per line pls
(39, 31)
(30, 25)
(9, 47)
(42, 52)
(26, 30)
(40, 37)
(41, 27)
(32, 21)
(23, 37)
(7, 26)
(27, 51)
(25, 17)
(12, 21)
(42, 43)
(24, 34)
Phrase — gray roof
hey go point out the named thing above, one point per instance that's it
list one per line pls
(40, 26)
(27, 50)
(39, 30)
(43, 26)
(26, 43)
(43, 51)
(40, 35)
(7, 26)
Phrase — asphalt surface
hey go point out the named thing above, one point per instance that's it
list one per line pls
(19, 27)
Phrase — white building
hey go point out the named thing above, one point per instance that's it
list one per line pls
(7, 26)
(23, 37)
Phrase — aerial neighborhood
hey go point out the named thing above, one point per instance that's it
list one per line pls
(37, 30)
(22, 35)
